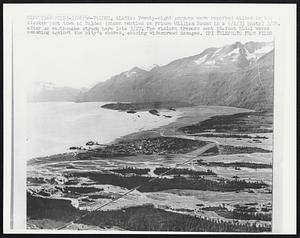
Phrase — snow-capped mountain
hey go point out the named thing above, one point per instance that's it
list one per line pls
(149, 67)
(236, 75)
(249, 53)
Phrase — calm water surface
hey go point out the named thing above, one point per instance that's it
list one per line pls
(52, 127)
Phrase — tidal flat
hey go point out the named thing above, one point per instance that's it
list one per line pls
(229, 188)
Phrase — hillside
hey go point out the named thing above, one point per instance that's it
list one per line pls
(239, 75)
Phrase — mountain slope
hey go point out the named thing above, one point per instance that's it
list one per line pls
(238, 75)
(48, 92)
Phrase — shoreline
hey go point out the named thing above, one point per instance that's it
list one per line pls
(105, 173)
(134, 123)
(186, 116)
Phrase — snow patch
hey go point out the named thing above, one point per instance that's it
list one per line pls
(264, 50)
(149, 67)
(235, 51)
(128, 74)
(216, 52)
(258, 53)
(210, 62)
(201, 59)
(250, 56)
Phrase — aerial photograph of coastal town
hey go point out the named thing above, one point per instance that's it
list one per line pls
(184, 146)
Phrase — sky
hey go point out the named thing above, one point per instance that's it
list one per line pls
(86, 60)
(82, 62)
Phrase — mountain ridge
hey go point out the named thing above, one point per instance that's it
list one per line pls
(238, 75)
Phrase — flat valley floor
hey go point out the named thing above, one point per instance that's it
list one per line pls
(228, 188)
